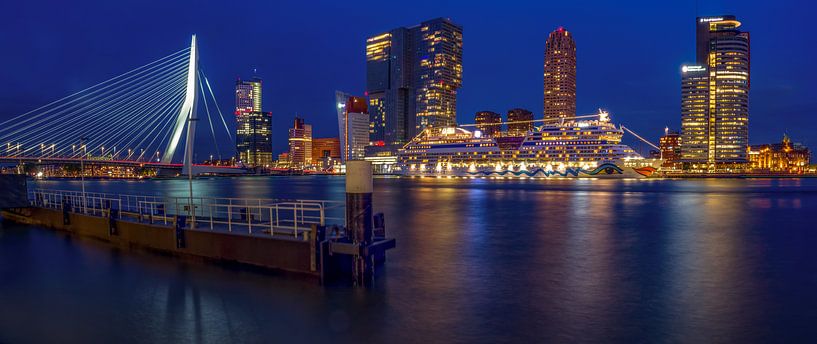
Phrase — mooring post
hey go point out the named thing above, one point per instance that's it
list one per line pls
(359, 189)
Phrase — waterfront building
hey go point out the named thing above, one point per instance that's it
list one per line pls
(283, 159)
(670, 148)
(412, 78)
(520, 121)
(694, 114)
(783, 157)
(353, 126)
(560, 75)
(325, 147)
(253, 127)
(300, 144)
(488, 122)
(326, 153)
(715, 132)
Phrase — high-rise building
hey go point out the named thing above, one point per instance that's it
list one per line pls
(560, 75)
(353, 126)
(715, 97)
(488, 122)
(412, 78)
(300, 143)
(695, 121)
(520, 121)
(253, 127)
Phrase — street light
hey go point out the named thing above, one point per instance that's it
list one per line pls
(82, 144)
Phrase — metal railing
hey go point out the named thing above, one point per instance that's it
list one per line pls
(254, 216)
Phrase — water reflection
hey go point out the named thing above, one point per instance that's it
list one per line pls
(477, 260)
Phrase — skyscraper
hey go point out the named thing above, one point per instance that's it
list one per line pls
(519, 121)
(353, 126)
(412, 77)
(694, 114)
(300, 143)
(488, 122)
(253, 127)
(247, 96)
(438, 72)
(560, 75)
(723, 51)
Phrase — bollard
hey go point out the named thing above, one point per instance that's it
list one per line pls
(359, 216)
(180, 223)
(66, 218)
(113, 214)
(379, 226)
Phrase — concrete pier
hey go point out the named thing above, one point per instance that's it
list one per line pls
(276, 253)
(284, 235)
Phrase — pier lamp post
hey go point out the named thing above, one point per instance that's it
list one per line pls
(83, 146)
(20, 165)
(189, 163)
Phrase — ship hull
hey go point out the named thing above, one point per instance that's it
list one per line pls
(605, 171)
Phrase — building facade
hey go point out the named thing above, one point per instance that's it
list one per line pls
(560, 75)
(412, 78)
(353, 126)
(488, 122)
(695, 121)
(520, 121)
(326, 153)
(253, 127)
(783, 157)
(723, 51)
(670, 148)
(300, 144)
(325, 147)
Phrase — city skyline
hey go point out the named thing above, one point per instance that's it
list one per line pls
(776, 90)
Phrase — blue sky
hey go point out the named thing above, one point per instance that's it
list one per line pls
(629, 54)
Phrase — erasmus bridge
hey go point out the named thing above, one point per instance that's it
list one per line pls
(142, 117)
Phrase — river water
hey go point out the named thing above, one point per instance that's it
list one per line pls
(476, 261)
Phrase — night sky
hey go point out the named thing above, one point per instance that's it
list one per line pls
(629, 54)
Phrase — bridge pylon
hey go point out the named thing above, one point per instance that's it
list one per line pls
(187, 114)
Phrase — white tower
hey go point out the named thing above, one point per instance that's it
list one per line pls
(187, 112)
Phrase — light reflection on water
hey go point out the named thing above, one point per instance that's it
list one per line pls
(477, 260)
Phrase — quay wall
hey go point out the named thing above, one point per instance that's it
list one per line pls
(284, 254)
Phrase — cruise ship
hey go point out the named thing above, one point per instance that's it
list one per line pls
(582, 147)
